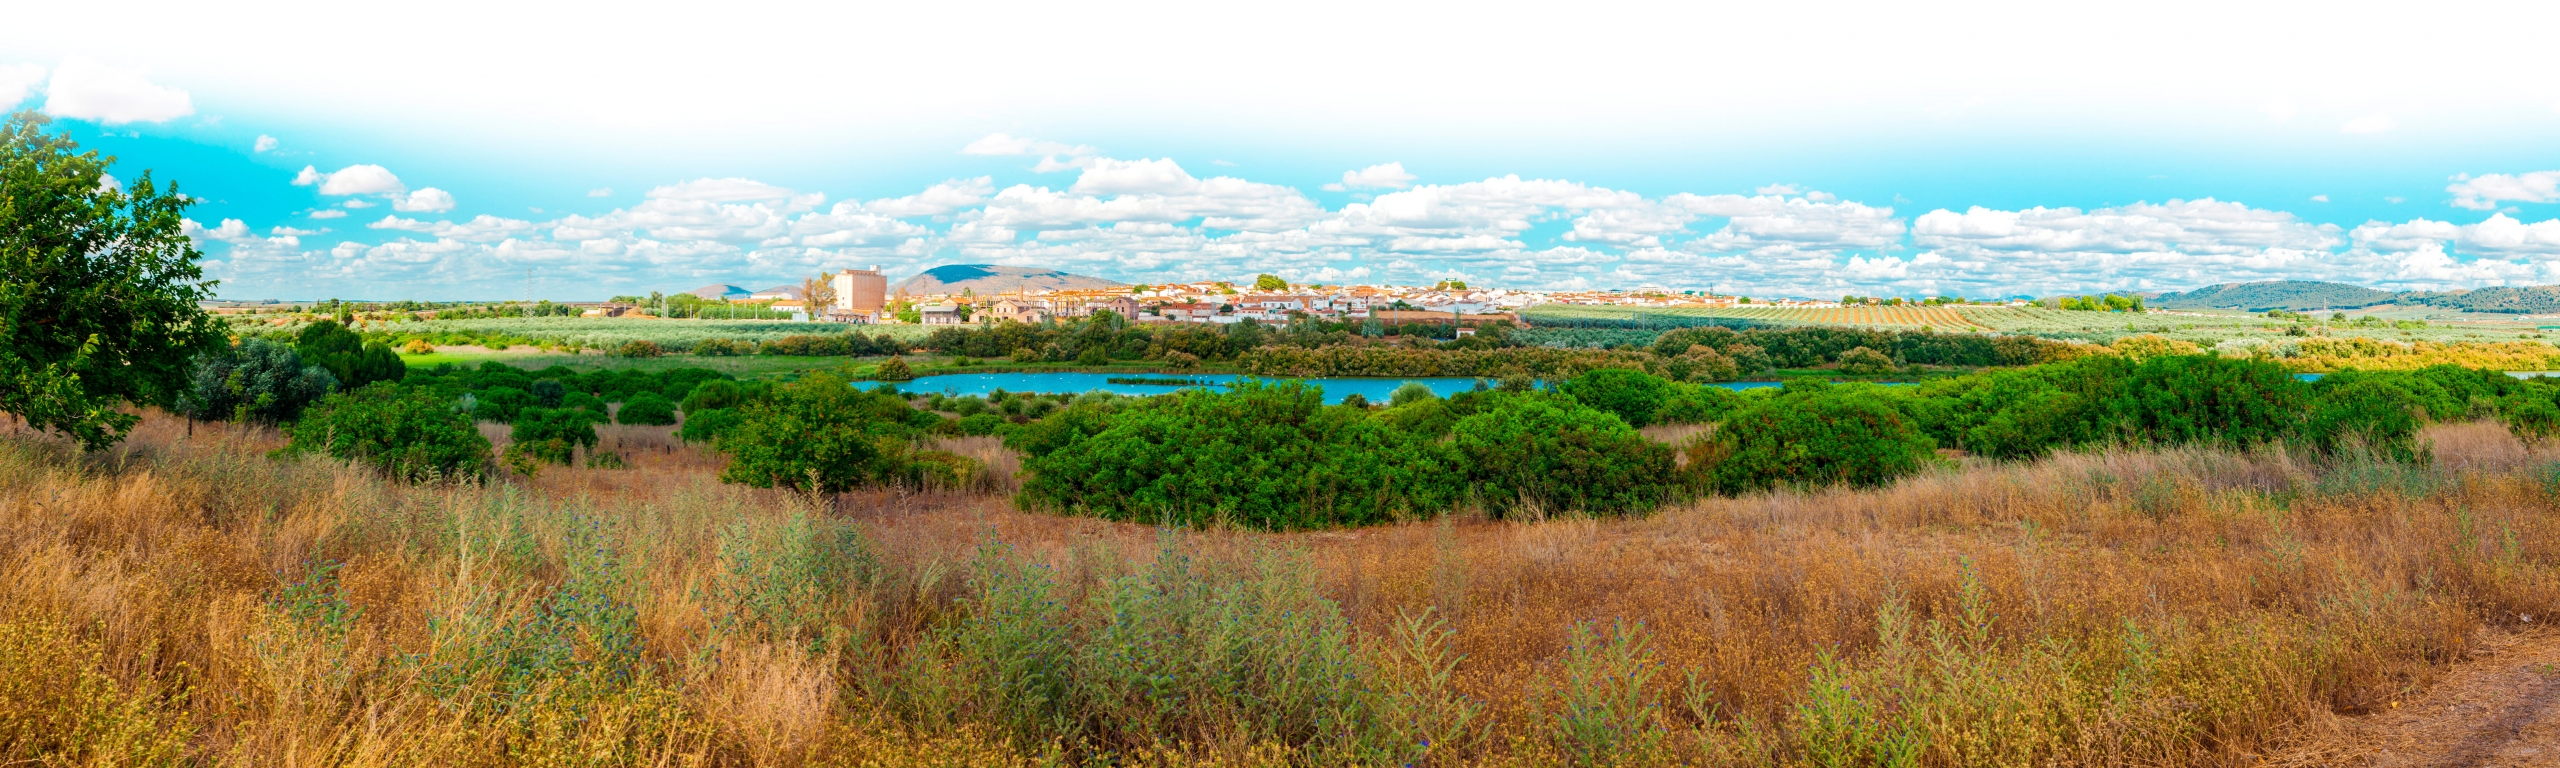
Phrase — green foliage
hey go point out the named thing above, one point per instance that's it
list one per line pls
(1411, 392)
(2380, 417)
(98, 289)
(1635, 397)
(347, 355)
(549, 393)
(1697, 404)
(254, 381)
(981, 424)
(1811, 436)
(639, 348)
(407, 433)
(821, 434)
(1861, 361)
(714, 393)
(707, 425)
(1265, 455)
(1541, 454)
(553, 435)
(1269, 283)
(894, 369)
(2179, 399)
(646, 408)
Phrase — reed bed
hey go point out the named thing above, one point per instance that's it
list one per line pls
(187, 600)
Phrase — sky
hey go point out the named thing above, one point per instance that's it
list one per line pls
(499, 150)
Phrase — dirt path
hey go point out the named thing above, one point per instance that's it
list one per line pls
(2500, 709)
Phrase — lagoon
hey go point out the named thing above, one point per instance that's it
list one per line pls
(1375, 390)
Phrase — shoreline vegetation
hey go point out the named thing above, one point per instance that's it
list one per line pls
(191, 599)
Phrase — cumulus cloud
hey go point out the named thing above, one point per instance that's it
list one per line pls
(425, 200)
(328, 213)
(600, 192)
(2485, 192)
(2319, 198)
(352, 180)
(17, 82)
(87, 90)
(265, 143)
(1152, 220)
(1381, 176)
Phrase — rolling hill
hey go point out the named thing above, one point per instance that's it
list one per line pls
(987, 279)
(2306, 295)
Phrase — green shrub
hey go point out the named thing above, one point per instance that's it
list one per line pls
(347, 356)
(646, 408)
(708, 424)
(500, 404)
(1697, 404)
(2381, 417)
(821, 434)
(894, 369)
(640, 348)
(255, 381)
(548, 393)
(1811, 436)
(2531, 416)
(1635, 397)
(1411, 392)
(2181, 399)
(980, 424)
(714, 393)
(1261, 454)
(1861, 361)
(1541, 453)
(553, 435)
(407, 433)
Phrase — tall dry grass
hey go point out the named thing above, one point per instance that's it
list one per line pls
(187, 600)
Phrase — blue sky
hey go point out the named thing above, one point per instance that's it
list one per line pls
(1977, 149)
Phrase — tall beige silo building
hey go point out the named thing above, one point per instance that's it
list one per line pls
(862, 291)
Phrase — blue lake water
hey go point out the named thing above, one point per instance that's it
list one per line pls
(1376, 390)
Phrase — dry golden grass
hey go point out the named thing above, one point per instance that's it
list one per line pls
(195, 602)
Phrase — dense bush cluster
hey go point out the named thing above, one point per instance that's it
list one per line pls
(1270, 455)
(821, 434)
(408, 433)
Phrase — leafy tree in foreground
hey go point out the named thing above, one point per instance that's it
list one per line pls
(821, 434)
(548, 435)
(1813, 436)
(257, 380)
(1555, 455)
(347, 356)
(407, 433)
(1264, 455)
(98, 289)
(647, 408)
(1635, 396)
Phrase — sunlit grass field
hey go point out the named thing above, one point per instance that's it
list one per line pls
(187, 599)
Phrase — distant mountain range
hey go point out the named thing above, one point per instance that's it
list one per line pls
(989, 279)
(2305, 295)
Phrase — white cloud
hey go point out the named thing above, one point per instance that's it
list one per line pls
(425, 200)
(2319, 198)
(1381, 176)
(17, 82)
(1134, 177)
(2499, 235)
(2368, 124)
(1780, 190)
(265, 143)
(731, 190)
(86, 90)
(294, 231)
(935, 200)
(352, 180)
(2486, 191)
(107, 183)
(600, 192)
(2279, 111)
(356, 204)
(328, 213)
